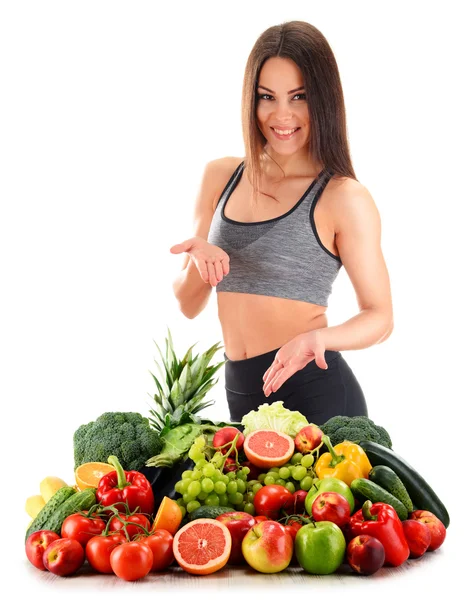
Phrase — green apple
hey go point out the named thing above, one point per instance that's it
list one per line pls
(328, 484)
(320, 547)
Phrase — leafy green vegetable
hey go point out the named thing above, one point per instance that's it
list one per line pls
(274, 416)
(127, 435)
(177, 442)
(356, 430)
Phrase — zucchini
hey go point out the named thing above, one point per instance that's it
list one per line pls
(422, 495)
(362, 487)
(80, 501)
(209, 512)
(389, 480)
(61, 496)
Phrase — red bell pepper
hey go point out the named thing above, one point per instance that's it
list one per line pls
(131, 487)
(380, 520)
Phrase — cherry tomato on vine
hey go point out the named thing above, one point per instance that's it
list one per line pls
(293, 527)
(81, 528)
(131, 561)
(99, 549)
(138, 518)
(161, 544)
(260, 518)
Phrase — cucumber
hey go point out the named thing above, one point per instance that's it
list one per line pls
(61, 496)
(422, 495)
(374, 492)
(209, 512)
(389, 480)
(80, 501)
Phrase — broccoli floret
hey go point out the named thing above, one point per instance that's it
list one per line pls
(355, 429)
(127, 435)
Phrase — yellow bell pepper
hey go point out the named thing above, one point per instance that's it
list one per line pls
(346, 461)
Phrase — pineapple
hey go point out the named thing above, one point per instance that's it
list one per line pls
(183, 387)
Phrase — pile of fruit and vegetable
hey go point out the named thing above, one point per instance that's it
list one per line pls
(273, 492)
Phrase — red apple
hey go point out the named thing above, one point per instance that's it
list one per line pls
(437, 528)
(225, 435)
(36, 544)
(238, 523)
(418, 536)
(64, 557)
(308, 438)
(268, 547)
(331, 506)
(365, 554)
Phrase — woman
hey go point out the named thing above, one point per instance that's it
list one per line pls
(273, 230)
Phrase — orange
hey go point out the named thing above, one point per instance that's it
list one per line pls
(202, 546)
(266, 448)
(168, 517)
(89, 474)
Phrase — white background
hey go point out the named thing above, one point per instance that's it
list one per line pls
(109, 113)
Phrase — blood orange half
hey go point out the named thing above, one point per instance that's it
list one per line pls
(267, 448)
(202, 546)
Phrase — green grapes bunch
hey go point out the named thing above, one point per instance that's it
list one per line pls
(208, 485)
(297, 474)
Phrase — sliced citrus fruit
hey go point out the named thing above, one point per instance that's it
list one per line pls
(202, 546)
(267, 448)
(168, 517)
(89, 474)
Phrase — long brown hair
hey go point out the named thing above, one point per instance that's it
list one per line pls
(308, 48)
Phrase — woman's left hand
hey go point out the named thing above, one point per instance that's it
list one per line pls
(292, 357)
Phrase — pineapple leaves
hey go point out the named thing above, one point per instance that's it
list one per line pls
(182, 386)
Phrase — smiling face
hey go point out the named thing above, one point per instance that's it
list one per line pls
(282, 105)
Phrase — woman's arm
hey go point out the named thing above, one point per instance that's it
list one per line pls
(358, 238)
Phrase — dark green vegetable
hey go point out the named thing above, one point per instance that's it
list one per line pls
(209, 512)
(177, 442)
(364, 488)
(389, 480)
(127, 435)
(421, 493)
(356, 430)
(80, 501)
(46, 512)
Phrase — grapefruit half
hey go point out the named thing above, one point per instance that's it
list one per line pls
(202, 546)
(267, 448)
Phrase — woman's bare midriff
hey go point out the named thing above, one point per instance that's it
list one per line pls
(254, 324)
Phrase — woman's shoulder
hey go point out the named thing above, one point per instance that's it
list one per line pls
(225, 165)
(219, 171)
(348, 199)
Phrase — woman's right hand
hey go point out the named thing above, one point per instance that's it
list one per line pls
(210, 260)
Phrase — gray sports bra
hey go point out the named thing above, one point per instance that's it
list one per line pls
(280, 257)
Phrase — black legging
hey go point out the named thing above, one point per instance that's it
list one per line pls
(316, 393)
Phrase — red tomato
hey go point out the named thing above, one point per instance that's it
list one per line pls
(131, 561)
(99, 548)
(37, 543)
(293, 527)
(139, 518)
(161, 544)
(81, 528)
(260, 518)
(270, 499)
